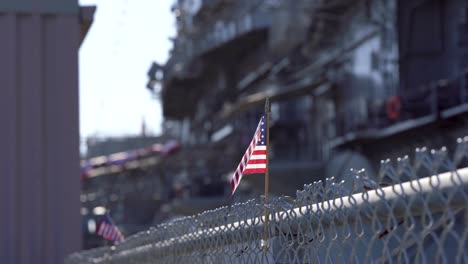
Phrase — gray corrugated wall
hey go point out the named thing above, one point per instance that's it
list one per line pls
(39, 142)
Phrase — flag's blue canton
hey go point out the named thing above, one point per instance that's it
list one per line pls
(262, 139)
(106, 219)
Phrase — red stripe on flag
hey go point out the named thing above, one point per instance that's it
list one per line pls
(257, 161)
(254, 171)
(232, 184)
(99, 228)
(259, 152)
(241, 167)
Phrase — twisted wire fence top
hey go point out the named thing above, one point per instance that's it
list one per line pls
(413, 211)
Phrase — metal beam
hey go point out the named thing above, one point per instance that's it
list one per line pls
(40, 6)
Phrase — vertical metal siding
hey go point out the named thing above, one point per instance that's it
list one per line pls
(8, 139)
(39, 141)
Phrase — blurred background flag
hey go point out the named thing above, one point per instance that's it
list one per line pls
(108, 230)
(255, 157)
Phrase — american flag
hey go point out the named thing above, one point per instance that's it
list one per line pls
(108, 230)
(254, 159)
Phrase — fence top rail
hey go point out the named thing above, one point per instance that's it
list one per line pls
(400, 192)
(378, 199)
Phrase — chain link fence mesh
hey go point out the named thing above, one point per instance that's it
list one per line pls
(414, 211)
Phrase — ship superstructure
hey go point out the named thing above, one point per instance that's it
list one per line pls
(350, 81)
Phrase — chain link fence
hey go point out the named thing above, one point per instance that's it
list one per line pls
(414, 211)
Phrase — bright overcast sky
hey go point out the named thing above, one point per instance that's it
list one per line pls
(126, 36)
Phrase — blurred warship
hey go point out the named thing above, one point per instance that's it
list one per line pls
(351, 83)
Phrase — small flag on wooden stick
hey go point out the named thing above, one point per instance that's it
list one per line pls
(108, 230)
(255, 160)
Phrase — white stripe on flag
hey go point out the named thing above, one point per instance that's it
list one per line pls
(260, 148)
(234, 178)
(106, 231)
(256, 166)
(112, 234)
(103, 229)
(257, 157)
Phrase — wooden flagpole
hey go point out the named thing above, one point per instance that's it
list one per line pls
(267, 178)
(107, 252)
(106, 243)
